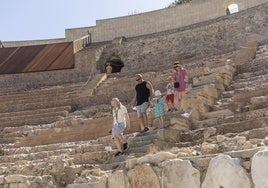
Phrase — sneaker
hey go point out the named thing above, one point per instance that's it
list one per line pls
(125, 146)
(145, 130)
(118, 153)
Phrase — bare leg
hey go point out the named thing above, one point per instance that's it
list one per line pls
(141, 122)
(145, 119)
(161, 120)
(122, 138)
(176, 100)
(117, 143)
(168, 104)
(182, 100)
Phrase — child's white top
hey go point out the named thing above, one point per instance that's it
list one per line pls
(170, 89)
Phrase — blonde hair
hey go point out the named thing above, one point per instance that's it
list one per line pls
(169, 78)
(117, 100)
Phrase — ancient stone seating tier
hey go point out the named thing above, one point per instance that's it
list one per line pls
(59, 136)
(219, 125)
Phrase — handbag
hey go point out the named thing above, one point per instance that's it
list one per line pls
(176, 84)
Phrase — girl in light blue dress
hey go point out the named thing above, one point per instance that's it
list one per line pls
(159, 103)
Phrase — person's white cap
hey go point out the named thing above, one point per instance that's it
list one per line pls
(157, 93)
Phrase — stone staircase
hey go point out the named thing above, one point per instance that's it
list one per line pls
(219, 123)
(51, 137)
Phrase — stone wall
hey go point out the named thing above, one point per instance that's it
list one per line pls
(143, 24)
(194, 46)
(160, 20)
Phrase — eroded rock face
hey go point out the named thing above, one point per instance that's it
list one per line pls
(224, 171)
(179, 173)
(259, 169)
(118, 179)
(208, 148)
(150, 158)
(145, 177)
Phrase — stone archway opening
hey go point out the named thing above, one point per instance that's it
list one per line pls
(232, 8)
(114, 65)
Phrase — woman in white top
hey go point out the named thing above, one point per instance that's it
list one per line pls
(121, 121)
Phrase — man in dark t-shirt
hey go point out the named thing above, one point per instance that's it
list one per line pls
(143, 93)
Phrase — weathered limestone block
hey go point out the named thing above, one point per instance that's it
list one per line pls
(224, 171)
(217, 114)
(247, 145)
(2, 180)
(15, 178)
(145, 177)
(201, 162)
(259, 102)
(170, 135)
(208, 79)
(207, 71)
(184, 152)
(206, 99)
(20, 185)
(240, 139)
(180, 123)
(118, 179)
(259, 169)
(3, 170)
(211, 90)
(243, 95)
(179, 173)
(84, 185)
(150, 158)
(210, 131)
(207, 148)
(195, 104)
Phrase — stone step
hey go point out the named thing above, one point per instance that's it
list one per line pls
(242, 126)
(259, 102)
(143, 137)
(111, 166)
(27, 97)
(141, 149)
(244, 95)
(79, 147)
(243, 154)
(5, 108)
(39, 99)
(87, 155)
(34, 120)
(83, 185)
(140, 144)
(217, 114)
(33, 116)
(239, 85)
(35, 94)
(260, 133)
(29, 129)
(228, 94)
(35, 156)
(250, 78)
(97, 157)
(250, 115)
(34, 112)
